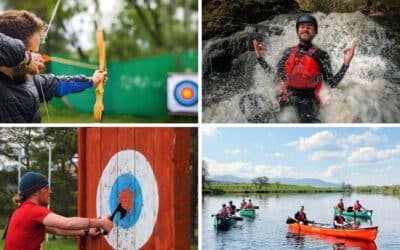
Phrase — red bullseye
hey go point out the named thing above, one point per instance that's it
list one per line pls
(187, 93)
(126, 198)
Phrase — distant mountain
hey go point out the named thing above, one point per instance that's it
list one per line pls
(229, 179)
(289, 181)
(306, 181)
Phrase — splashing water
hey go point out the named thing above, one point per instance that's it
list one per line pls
(364, 95)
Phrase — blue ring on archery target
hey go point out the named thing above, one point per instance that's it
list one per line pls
(180, 99)
(123, 182)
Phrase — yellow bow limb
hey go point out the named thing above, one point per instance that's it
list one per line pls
(98, 106)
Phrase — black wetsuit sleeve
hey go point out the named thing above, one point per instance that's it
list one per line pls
(280, 73)
(324, 63)
(12, 51)
(264, 65)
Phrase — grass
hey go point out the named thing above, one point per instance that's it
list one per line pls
(222, 188)
(59, 243)
(66, 115)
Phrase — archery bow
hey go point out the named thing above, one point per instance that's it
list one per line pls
(53, 15)
(98, 106)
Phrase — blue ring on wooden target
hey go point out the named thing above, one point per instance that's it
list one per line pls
(129, 182)
(191, 86)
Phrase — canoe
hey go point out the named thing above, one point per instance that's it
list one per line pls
(362, 214)
(250, 213)
(340, 243)
(368, 233)
(223, 223)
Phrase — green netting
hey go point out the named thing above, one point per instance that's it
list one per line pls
(136, 87)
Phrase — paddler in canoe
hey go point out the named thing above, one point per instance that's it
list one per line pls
(340, 205)
(301, 217)
(249, 205)
(223, 213)
(358, 207)
(339, 221)
(231, 209)
(243, 204)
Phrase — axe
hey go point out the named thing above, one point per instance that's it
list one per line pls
(119, 209)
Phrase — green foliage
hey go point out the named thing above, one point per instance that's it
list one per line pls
(141, 28)
(57, 243)
(387, 190)
(221, 188)
(65, 115)
(35, 141)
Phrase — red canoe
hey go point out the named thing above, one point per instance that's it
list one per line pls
(368, 233)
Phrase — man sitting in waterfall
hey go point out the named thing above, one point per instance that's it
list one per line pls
(302, 69)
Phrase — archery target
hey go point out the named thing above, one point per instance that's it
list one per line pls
(182, 93)
(128, 179)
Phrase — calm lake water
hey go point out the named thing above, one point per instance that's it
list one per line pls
(270, 231)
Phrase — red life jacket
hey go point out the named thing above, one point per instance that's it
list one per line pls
(340, 219)
(302, 72)
(301, 216)
(357, 207)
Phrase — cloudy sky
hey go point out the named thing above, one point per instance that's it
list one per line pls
(359, 156)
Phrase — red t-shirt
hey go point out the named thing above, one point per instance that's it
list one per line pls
(26, 230)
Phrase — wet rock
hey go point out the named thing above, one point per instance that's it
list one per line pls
(224, 17)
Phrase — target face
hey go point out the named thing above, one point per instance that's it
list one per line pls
(182, 93)
(128, 179)
(186, 93)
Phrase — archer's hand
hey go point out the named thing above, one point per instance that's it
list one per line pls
(94, 232)
(349, 53)
(36, 62)
(258, 48)
(99, 76)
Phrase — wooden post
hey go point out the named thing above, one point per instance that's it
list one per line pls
(126, 162)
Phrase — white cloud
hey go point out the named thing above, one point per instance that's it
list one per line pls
(317, 140)
(331, 171)
(316, 156)
(360, 138)
(278, 154)
(235, 151)
(371, 154)
(249, 170)
(210, 132)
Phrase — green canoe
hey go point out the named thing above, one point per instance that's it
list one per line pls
(362, 214)
(223, 223)
(250, 213)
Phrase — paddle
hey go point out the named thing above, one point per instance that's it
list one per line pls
(237, 218)
(291, 220)
(253, 207)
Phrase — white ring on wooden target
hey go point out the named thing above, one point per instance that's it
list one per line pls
(133, 164)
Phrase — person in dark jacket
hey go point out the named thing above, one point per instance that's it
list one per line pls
(21, 91)
(13, 53)
(303, 68)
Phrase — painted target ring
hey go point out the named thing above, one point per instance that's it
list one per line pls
(128, 179)
(186, 93)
